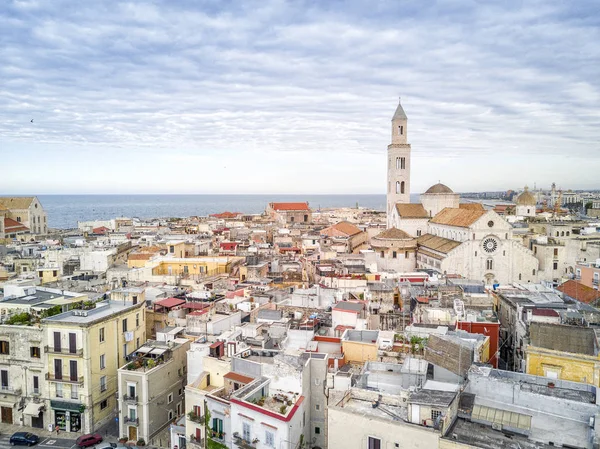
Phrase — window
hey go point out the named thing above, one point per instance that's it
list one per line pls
(170, 398)
(305, 218)
(291, 219)
(74, 392)
(403, 163)
(393, 254)
(137, 342)
(435, 414)
(131, 390)
(125, 325)
(373, 443)
(519, 276)
(36, 385)
(4, 379)
(103, 384)
(402, 187)
(137, 320)
(4, 347)
(317, 407)
(382, 254)
(125, 350)
(135, 297)
(397, 186)
(400, 129)
(72, 343)
(101, 335)
(217, 427)
(246, 431)
(317, 431)
(533, 272)
(556, 251)
(406, 254)
(104, 404)
(397, 163)
(489, 264)
(171, 249)
(59, 390)
(73, 369)
(58, 369)
(269, 439)
(555, 265)
(35, 352)
(419, 233)
(19, 219)
(103, 361)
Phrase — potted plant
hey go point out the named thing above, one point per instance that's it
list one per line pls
(141, 442)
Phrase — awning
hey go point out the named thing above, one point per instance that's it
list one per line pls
(67, 406)
(33, 409)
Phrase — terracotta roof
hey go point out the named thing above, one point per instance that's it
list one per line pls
(439, 188)
(226, 215)
(341, 229)
(471, 206)
(579, 292)
(228, 246)
(393, 233)
(238, 377)
(100, 230)
(436, 243)
(16, 202)
(11, 225)
(140, 256)
(289, 206)
(458, 217)
(411, 210)
(170, 302)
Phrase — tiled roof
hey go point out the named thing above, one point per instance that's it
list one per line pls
(228, 246)
(140, 256)
(471, 206)
(238, 377)
(341, 229)
(411, 210)
(170, 302)
(11, 225)
(393, 233)
(458, 217)
(289, 206)
(579, 292)
(436, 243)
(227, 215)
(559, 337)
(16, 202)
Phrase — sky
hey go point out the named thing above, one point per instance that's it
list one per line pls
(272, 96)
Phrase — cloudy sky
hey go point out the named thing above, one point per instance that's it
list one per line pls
(274, 96)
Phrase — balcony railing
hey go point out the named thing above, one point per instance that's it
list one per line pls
(63, 351)
(66, 379)
(195, 418)
(36, 392)
(128, 398)
(130, 420)
(7, 389)
(244, 444)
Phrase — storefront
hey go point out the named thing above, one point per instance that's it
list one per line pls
(36, 411)
(67, 415)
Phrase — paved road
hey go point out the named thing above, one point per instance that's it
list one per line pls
(45, 443)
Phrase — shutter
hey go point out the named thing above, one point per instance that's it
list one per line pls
(4, 378)
(57, 369)
(57, 341)
(72, 343)
(73, 368)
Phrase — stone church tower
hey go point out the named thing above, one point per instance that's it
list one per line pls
(398, 172)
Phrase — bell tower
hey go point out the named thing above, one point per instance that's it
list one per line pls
(398, 171)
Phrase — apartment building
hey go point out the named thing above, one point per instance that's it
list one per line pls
(84, 351)
(151, 387)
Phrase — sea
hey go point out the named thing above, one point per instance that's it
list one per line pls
(64, 211)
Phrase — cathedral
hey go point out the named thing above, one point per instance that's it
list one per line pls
(440, 232)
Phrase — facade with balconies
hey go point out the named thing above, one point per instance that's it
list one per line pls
(151, 386)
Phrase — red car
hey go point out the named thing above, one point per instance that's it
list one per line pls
(88, 440)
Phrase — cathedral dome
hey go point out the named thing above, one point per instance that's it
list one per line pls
(439, 188)
(526, 198)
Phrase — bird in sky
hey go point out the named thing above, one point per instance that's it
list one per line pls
(31, 120)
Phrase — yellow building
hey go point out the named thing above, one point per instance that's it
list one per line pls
(48, 275)
(360, 346)
(563, 352)
(85, 349)
(195, 266)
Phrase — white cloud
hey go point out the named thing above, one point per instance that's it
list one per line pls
(512, 86)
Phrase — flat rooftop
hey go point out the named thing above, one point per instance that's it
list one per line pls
(383, 411)
(484, 437)
(102, 311)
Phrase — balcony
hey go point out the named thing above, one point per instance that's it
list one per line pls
(66, 379)
(36, 392)
(6, 389)
(214, 435)
(244, 444)
(195, 418)
(131, 399)
(63, 351)
(195, 443)
(130, 420)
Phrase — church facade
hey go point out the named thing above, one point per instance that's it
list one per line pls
(451, 238)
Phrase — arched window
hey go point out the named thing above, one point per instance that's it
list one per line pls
(398, 187)
(567, 233)
(489, 264)
(562, 234)
(402, 187)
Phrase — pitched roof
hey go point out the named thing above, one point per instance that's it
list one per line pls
(289, 206)
(436, 243)
(439, 188)
(393, 233)
(226, 214)
(16, 202)
(471, 206)
(560, 337)
(458, 217)
(579, 292)
(411, 210)
(11, 225)
(341, 229)
(228, 246)
(170, 302)
(399, 114)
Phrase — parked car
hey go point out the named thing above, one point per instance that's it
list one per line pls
(88, 440)
(24, 438)
(106, 446)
